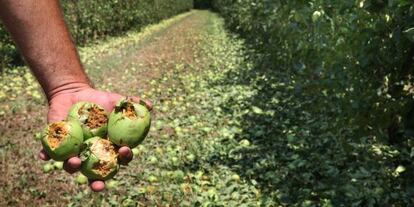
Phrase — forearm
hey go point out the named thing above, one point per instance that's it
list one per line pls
(42, 36)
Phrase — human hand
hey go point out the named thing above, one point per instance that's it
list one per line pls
(59, 106)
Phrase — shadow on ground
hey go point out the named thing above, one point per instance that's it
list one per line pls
(297, 151)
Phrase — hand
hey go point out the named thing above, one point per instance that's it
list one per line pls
(59, 106)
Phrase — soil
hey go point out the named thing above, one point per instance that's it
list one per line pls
(56, 134)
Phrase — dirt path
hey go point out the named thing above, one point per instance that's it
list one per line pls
(135, 66)
(128, 71)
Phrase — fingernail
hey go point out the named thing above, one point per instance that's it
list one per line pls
(97, 185)
(74, 162)
(125, 151)
(72, 165)
(125, 155)
(43, 155)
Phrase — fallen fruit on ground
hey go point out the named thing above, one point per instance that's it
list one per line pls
(129, 123)
(112, 184)
(47, 168)
(99, 159)
(135, 152)
(92, 117)
(58, 165)
(62, 140)
(81, 179)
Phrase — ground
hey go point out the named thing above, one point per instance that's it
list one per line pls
(226, 131)
(177, 64)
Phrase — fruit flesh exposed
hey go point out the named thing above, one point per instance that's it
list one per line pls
(96, 117)
(57, 132)
(99, 159)
(129, 111)
(92, 117)
(105, 151)
(62, 140)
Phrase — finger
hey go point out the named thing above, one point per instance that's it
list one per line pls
(72, 164)
(125, 155)
(43, 155)
(134, 99)
(149, 104)
(113, 98)
(97, 185)
(138, 100)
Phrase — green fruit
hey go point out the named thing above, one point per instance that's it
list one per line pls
(191, 157)
(152, 160)
(316, 15)
(244, 143)
(175, 161)
(62, 140)
(129, 123)
(141, 190)
(99, 159)
(112, 184)
(152, 179)
(235, 177)
(135, 151)
(58, 165)
(81, 179)
(47, 168)
(93, 119)
(38, 136)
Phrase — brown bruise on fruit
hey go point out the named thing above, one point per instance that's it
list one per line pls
(105, 152)
(129, 111)
(96, 116)
(57, 132)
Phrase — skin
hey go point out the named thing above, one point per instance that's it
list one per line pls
(40, 32)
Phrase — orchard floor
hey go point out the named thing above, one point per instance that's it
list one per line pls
(225, 131)
(171, 63)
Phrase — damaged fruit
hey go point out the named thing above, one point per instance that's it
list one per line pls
(99, 159)
(93, 119)
(62, 140)
(129, 123)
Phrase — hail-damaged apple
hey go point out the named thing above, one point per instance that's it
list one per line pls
(99, 159)
(93, 118)
(129, 123)
(62, 140)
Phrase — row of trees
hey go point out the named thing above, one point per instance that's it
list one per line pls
(358, 54)
(90, 20)
(350, 64)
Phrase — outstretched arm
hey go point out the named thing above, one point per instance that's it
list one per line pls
(39, 29)
(40, 32)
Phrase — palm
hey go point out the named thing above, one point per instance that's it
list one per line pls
(61, 103)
